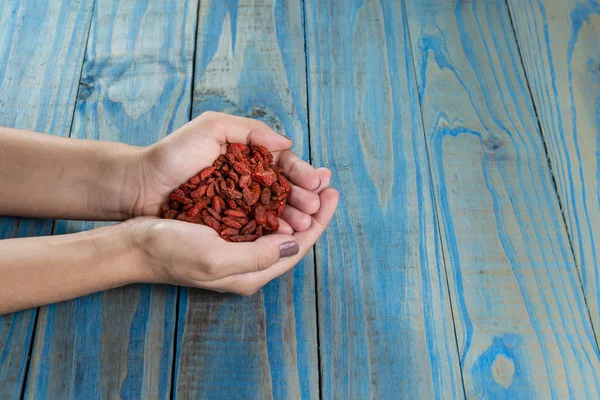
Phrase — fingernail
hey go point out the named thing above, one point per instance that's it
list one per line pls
(288, 249)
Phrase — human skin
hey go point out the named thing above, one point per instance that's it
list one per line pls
(53, 177)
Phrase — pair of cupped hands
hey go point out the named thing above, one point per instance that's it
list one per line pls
(183, 253)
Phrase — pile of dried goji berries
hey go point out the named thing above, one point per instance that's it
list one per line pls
(240, 195)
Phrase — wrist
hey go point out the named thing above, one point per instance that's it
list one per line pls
(125, 172)
(115, 252)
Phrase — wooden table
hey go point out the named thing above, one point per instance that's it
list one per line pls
(464, 138)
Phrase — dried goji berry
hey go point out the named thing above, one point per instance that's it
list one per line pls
(199, 192)
(194, 211)
(214, 214)
(195, 180)
(164, 208)
(210, 192)
(230, 232)
(206, 172)
(243, 238)
(229, 221)
(232, 194)
(213, 223)
(233, 176)
(246, 190)
(260, 215)
(280, 208)
(244, 181)
(235, 213)
(180, 198)
(267, 177)
(249, 228)
(265, 196)
(242, 168)
(218, 204)
(171, 214)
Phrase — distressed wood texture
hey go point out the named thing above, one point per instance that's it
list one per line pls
(560, 46)
(384, 316)
(135, 87)
(35, 37)
(250, 62)
(522, 324)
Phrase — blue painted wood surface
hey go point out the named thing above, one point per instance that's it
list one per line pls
(440, 170)
(135, 88)
(560, 45)
(35, 37)
(250, 62)
(384, 314)
(522, 323)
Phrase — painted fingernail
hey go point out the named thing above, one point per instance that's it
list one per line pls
(288, 249)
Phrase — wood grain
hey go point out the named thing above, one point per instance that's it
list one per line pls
(135, 88)
(385, 322)
(560, 46)
(35, 95)
(521, 318)
(250, 62)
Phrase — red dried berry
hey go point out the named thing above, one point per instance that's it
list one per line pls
(229, 221)
(230, 232)
(206, 172)
(246, 190)
(265, 196)
(272, 222)
(235, 213)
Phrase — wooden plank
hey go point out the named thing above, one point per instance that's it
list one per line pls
(135, 88)
(250, 62)
(522, 324)
(35, 37)
(384, 316)
(560, 46)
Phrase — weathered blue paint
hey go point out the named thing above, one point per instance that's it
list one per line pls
(134, 90)
(384, 317)
(35, 95)
(505, 244)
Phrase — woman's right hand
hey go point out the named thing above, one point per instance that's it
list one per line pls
(181, 253)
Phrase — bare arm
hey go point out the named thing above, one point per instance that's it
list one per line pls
(53, 177)
(42, 270)
(41, 175)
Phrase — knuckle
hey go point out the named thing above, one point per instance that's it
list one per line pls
(313, 204)
(263, 259)
(213, 264)
(295, 166)
(262, 125)
(209, 115)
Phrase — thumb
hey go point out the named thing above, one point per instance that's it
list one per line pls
(239, 258)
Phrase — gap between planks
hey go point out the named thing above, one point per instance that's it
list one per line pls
(310, 159)
(552, 173)
(434, 199)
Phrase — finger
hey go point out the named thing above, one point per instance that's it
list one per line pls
(304, 200)
(233, 129)
(325, 176)
(250, 282)
(239, 258)
(297, 220)
(285, 228)
(298, 171)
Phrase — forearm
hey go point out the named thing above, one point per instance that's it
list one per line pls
(43, 270)
(53, 177)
